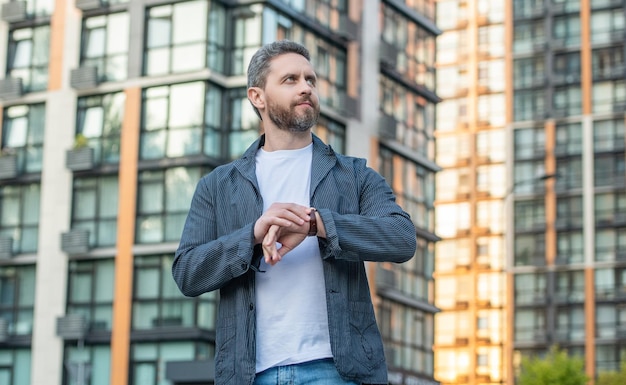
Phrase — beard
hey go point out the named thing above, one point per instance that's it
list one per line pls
(288, 119)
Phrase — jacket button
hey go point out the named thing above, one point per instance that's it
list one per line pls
(244, 266)
(251, 306)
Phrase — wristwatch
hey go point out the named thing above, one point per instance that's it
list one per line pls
(312, 223)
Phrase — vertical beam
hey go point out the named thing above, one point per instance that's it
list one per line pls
(589, 243)
(585, 55)
(509, 326)
(550, 197)
(57, 43)
(122, 301)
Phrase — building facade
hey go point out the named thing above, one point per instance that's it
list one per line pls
(471, 189)
(111, 112)
(531, 134)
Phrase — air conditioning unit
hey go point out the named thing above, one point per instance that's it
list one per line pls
(11, 88)
(72, 327)
(14, 11)
(6, 247)
(75, 241)
(87, 5)
(84, 77)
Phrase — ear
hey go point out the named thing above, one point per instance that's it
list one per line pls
(256, 97)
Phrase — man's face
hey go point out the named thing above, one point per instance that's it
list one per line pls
(291, 96)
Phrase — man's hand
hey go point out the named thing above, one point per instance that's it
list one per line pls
(288, 237)
(284, 215)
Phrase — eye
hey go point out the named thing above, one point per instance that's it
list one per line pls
(311, 82)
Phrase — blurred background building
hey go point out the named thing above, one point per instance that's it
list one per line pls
(531, 204)
(111, 111)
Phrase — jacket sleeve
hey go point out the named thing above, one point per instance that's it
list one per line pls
(203, 261)
(380, 231)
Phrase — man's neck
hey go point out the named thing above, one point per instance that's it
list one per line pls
(277, 139)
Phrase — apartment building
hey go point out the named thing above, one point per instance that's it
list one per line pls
(531, 138)
(112, 110)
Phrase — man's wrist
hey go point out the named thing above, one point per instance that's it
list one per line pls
(312, 223)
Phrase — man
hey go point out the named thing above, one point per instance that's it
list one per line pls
(283, 233)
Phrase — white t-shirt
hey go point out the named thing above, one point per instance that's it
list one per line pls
(291, 314)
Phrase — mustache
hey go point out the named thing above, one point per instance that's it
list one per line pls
(306, 99)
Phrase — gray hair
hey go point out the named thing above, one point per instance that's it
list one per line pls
(260, 62)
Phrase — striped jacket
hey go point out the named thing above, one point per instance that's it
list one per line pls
(363, 223)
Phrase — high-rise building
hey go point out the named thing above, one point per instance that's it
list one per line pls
(531, 136)
(112, 110)
(471, 124)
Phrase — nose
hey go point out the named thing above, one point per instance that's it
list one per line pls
(305, 87)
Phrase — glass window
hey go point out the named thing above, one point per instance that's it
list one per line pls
(332, 133)
(158, 303)
(529, 35)
(529, 72)
(180, 120)
(105, 45)
(607, 26)
(453, 365)
(90, 292)
(38, 8)
(490, 288)
(608, 63)
(96, 362)
(608, 135)
(95, 208)
(17, 298)
(530, 249)
(570, 287)
(570, 324)
(28, 57)
(19, 216)
(529, 215)
(22, 135)
(100, 122)
(491, 41)
(172, 47)
(610, 244)
(569, 139)
(489, 252)
(163, 201)
(452, 219)
(15, 366)
(609, 170)
(418, 186)
(529, 105)
(609, 356)
(567, 101)
(530, 288)
(609, 96)
(411, 114)
(566, 30)
(408, 336)
(148, 359)
(452, 46)
(453, 254)
(610, 208)
(490, 75)
(566, 68)
(527, 8)
(491, 110)
(245, 124)
(452, 183)
(606, 321)
(489, 215)
(529, 325)
(569, 212)
(415, 46)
